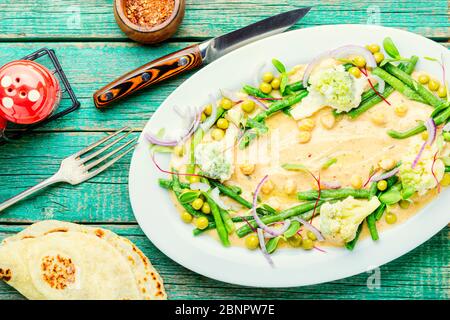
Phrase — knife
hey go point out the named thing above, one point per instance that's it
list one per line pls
(194, 56)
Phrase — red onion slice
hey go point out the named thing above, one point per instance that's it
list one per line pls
(286, 225)
(259, 222)
(310, 67)
(332, 184)
(230, 95)
(381, 83)
(262, 244)
(212, 118)
(199, 186)
(259, 103)
(432, 131)
(159, 141)
(385, 175)
(311, 228)
(349, 50)
(446, 127)
(216, 197)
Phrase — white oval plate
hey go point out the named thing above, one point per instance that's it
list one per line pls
(160, 220)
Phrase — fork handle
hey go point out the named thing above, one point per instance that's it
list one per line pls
(47, 182)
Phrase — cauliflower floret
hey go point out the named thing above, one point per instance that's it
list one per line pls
(339, 221)
(421, 178)
(214, 161)
(332, 87)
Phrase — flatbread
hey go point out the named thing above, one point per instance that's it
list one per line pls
(17, 250)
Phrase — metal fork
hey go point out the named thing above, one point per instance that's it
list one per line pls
(77, 169)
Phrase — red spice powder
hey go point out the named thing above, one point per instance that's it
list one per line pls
(149, 13)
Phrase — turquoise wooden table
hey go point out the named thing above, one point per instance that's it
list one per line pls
(93, 50)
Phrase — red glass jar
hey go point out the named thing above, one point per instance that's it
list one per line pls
(29, 93)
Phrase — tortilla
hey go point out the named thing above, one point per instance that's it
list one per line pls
(61, 260)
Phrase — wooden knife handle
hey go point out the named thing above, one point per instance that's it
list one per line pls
(151, 73)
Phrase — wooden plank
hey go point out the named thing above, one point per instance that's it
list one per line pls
(420, 274)
(89, 66)
(93, 20)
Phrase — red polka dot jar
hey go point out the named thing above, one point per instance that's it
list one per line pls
(29, 93)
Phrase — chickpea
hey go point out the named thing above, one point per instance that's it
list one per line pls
(390, 218)
(404, 204)
(247, 169)
(359, 61)
(311, 235)
(179, 150)
(222, 123)
(265, 87)
(275, 83)
(424, 135)
(194, 179)
(328, 121)
(307, 244)
(387, 164)
(217, 134)
(433, 85)
(401, 110)
(354, 71)
(267, 77)
(374, 48)
(356, 181)
(206, 209)
(306, 124)
(208, 110)
(252, 242)
(226, 103)
(378, 57)
(197, 204)
(267, 187)
(290, 187)
(248, 105)
(378, 118)
(186, 217)
(424, 78)
(442, 92)
(201, 223)
(382, 185)
(304, 136)
(445, 182)
(274, 203)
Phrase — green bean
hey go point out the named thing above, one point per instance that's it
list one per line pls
(391, 197)
(220, 227)
(296, 86)
(447, 169)
(168, 184)
(272, 245)
(446, 136)
(176, 186)
(380, 211)
(439, 109)
(229, 224)
(281, 104)
(334, 194)
(212, 224)
(303, 210)
(432, 100)
(255, 92)
(370, 102)
(373, 190)
(372, 224)
(231, 194)
(398, 85)
(440, 119)
(351, 245)
(293, 229)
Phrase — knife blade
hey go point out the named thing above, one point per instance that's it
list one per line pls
(194, 56)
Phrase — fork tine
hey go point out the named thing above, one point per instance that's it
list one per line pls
(110, 163)
(103, 149)
(113, 152)
(96, 144)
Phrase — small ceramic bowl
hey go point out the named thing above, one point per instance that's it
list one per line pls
(148, 35)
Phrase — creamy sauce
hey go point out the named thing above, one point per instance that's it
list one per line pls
(358, 145)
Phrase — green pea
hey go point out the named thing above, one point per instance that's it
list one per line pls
(307, 244)
(295, 241)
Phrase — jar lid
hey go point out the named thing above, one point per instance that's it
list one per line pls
(29, 92)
